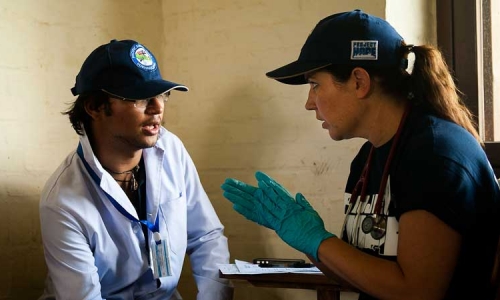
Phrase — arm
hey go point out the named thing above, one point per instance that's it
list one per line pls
(69, 259)
(207, 245)
(427, 253)
(330, 274)
(427, 250)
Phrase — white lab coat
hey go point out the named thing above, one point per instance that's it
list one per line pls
(93, 251)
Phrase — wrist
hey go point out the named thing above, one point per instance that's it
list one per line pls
(319, 240)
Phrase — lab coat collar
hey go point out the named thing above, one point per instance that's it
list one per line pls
(153, 162)
(107, 182)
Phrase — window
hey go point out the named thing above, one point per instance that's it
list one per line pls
(472, 54)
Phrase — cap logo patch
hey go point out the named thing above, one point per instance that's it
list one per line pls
(142, 58)
(364, 50)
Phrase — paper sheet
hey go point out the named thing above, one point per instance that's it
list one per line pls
(243, 267)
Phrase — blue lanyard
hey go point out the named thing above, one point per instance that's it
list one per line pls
(153, 227)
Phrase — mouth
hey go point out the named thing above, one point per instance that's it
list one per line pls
(151, 128)
(323, 124)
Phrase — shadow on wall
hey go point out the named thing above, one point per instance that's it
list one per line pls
(38, 27)
(21, 252)
(238, 138)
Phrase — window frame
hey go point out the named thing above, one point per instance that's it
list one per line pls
(458, 41)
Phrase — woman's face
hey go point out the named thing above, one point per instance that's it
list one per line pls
(335, 104)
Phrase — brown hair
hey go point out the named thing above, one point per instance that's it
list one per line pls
(430, 85)
(78, 116)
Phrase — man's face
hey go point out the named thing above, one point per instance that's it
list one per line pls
(128, 128)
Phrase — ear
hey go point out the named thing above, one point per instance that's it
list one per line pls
(93, 111)
(363, 82)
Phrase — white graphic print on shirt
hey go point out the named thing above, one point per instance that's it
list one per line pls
(387, 245)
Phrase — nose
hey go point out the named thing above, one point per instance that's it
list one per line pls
(310, 103)
(155, 106)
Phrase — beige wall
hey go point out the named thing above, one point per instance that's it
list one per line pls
(234, 120)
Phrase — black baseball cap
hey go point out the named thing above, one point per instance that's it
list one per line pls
(125, 69)
(348, 38)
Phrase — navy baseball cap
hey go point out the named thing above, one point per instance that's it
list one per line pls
(348, 38)
(125, 69)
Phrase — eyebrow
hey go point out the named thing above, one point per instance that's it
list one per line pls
(309, 79)
(308, 75)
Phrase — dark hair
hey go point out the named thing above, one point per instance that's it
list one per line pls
(430, 85)
(78, 116)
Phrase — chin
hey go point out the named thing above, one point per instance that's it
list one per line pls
(147, 143)
(335, 136)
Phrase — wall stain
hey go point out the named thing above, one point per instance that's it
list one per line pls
(319, 168)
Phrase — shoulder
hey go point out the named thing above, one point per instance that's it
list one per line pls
(429, 138)
(67, 188)
(439, 153)
(62, 176)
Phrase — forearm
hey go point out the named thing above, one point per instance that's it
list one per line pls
(205, 257)
(330, 274)
(208, 289)
(378, 277)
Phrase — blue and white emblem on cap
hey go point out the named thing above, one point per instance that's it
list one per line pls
(364, 50)
(142, 58)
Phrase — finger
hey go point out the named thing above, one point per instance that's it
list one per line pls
(239, 185)
(244, 211)
(267, 189)
(280, 200)
(265, 201)
(261, 176)
(248, 204)
(302, 201)
(236, 190)
(235, 198)
(258, 216)
(269, 196)
(280, 190)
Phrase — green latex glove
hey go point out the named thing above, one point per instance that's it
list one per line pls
(294, 220)
(242, 197)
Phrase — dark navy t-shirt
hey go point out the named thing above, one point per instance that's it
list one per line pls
(438, 167)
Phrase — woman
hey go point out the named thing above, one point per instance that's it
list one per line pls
(421, 197)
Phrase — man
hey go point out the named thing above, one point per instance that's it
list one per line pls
(121, 212)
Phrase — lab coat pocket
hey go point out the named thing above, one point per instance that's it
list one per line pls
(173, 212)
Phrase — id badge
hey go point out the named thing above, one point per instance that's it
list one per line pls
(160, 261)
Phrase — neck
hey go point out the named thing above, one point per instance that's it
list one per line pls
(384, 124)
(127, 180)
(116, 159)
(117, 164)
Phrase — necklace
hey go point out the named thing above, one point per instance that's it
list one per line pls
(134, 185)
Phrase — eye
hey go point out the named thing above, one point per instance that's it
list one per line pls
(313, 85)
(142, 103)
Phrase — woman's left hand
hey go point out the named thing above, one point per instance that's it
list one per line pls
(293, 219)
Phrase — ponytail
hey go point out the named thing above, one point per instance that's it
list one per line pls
(429, 86)
(432, 85)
